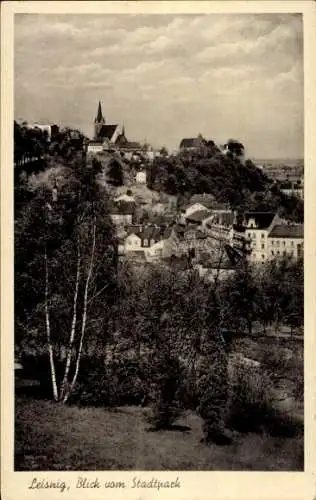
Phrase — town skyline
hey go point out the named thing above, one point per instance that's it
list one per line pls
(166, 77)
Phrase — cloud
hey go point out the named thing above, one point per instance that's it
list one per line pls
(241, 72)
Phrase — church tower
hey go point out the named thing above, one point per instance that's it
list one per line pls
(98, 122)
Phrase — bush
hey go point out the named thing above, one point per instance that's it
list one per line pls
(213, 398)
(167, 406)
(249, 400)
(117, 383)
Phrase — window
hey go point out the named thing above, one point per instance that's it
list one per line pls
(262, 246)
(272, 252)
(277, 243)
(262, 235)
(292, 243)
(284, 252)
(262, 256)
(272, 242)
(278, 252)
(145, 242)
(284, 242)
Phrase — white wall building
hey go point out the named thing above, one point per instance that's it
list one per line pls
(286, 239)
(258, 226)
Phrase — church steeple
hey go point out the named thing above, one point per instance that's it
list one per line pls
(99, 117)
(98, 123)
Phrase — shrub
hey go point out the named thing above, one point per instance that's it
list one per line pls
(213, 398)
(117, 383)
(167, 406)
(249, 399)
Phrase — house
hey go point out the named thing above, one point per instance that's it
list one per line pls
(198, 245)
(198, 216)
(286, 239)
(257, 227)
(194, 208)
(191, 144)
(157, 242)
(291, 188)
(122, 213)
(219, 224)
(141, 177)
(95, 147)
(127, 197)
(206, 199)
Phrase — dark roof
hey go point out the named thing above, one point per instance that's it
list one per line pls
(99, 116)
(146, 232)
(192, 142)
(107, 131)
(222, 219)
(155, 233)
(287, 231)
(198, 216)
(262, 219)
(123, 208)
(239, 229)
(99, 143)
(130, 145)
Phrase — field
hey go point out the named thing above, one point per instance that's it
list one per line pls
(54, 437)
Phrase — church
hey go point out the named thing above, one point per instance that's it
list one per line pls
(110, 137)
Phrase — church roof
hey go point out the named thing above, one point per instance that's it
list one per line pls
(107, 131)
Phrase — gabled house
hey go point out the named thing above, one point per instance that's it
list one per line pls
(123, 212)
(257, 227)
(192, 143)
(157, 242)
(194, 207)
(286, 239)
(197, 217)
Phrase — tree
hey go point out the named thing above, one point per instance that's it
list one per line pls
(242, 296)
(64, 300)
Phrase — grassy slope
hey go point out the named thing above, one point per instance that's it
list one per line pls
(52, 437)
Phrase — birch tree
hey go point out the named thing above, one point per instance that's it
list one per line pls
(67, 263)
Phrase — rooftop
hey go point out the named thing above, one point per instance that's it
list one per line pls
(287, 231)
(155, 233)
(262, 219)
(198, 216)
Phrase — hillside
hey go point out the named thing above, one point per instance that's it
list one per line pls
(228, 177)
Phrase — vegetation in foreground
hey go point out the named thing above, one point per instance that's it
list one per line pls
(97, 439)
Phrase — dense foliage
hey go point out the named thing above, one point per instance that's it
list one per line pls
(226, 176)
(98, 332)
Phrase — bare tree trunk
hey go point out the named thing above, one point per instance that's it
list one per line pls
(84, 314)
(73, 325)
(48, 334)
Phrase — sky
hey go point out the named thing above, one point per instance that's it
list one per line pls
(166, 77)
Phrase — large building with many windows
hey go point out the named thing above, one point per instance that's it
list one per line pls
(286, 239)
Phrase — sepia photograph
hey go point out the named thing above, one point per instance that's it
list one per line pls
(158, 242)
